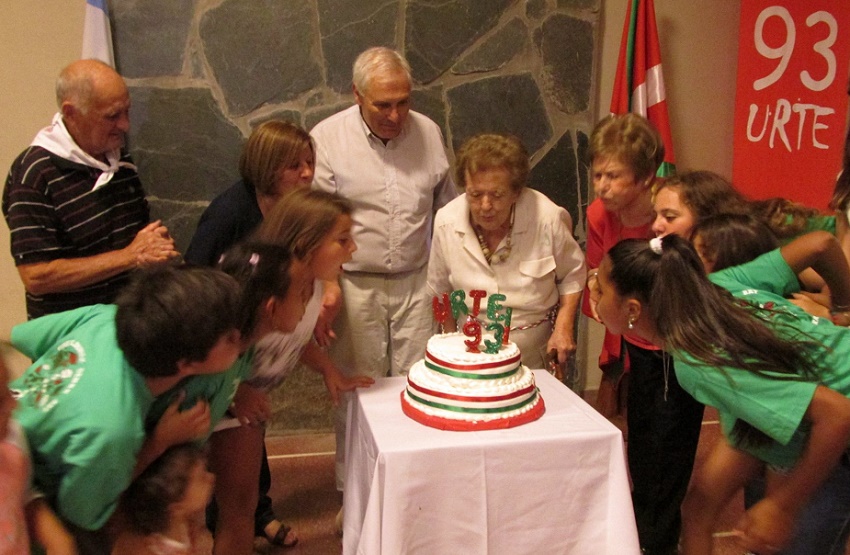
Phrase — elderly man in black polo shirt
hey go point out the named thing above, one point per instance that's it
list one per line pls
(75, 207)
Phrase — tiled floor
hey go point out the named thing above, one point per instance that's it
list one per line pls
(306, 498)
(304, 492)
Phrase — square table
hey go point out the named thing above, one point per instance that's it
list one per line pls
(556, 485)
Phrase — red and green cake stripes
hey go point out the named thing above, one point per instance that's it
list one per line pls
(461, 407)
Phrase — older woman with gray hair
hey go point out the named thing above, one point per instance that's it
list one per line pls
(502, 237)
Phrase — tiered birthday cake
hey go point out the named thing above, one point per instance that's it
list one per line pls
(455, 389)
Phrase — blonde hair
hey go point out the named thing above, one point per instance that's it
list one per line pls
(632, 140)
(489, 151)
(273, 144)
(301, 219)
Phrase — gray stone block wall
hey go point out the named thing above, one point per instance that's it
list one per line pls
(202, 73)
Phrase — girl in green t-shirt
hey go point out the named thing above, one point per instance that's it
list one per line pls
(779, 377)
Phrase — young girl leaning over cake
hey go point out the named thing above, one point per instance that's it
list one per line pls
(315, 227)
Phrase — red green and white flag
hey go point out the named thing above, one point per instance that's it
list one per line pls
(639, 83)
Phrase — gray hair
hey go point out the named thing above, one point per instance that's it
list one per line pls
(76, 83)
(375, 60)
(76, 89)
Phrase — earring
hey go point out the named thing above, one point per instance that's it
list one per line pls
(631, 324)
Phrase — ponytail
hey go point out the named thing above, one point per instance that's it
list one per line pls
(694, 316)
(262, 270)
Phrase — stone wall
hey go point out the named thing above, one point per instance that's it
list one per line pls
(202, 73)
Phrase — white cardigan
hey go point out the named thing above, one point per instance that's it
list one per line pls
(545, 261)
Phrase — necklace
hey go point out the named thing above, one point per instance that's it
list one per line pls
(501, 254)
(665, 363)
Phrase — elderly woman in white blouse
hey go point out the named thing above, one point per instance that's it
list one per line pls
(502, 237)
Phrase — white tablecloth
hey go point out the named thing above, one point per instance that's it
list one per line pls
(556, 485)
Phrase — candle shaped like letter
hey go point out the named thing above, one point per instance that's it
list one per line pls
(477, 295)
(458, 303)
(441, 310)
(494, 307)
(507, 323)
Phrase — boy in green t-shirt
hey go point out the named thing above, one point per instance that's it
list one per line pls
(96, 372)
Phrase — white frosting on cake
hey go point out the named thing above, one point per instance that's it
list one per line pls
(452, 349)
(438, 380)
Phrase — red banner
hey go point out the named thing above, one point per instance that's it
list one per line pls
(791, 104)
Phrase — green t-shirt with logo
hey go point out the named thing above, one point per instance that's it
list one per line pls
(83, 408)
(774, 406)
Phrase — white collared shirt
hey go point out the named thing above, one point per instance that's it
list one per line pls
(395, 188)
(545, 262)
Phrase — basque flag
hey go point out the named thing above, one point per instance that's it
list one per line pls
(97, 34)
(639, 83)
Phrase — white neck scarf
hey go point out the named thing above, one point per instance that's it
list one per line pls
(57, 140)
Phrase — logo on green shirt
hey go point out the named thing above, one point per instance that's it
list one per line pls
(45, 382)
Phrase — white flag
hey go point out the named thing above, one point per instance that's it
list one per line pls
(97, 34)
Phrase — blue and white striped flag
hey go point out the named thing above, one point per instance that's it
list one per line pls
(97, 34)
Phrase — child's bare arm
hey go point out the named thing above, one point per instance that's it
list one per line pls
(174, 427)
(317, 359)
(822, 252)
(45, 529)
(768, 525)
(331, 304)
(251, 406)
(724, 472)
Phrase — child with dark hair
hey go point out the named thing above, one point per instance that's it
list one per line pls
(779, 378)
(317, 237)
(152, 311)
(163, 508)
(274, 292)
(263, 272)
(83, 402)
(728, 240)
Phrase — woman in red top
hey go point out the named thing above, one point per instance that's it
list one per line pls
(663, 421)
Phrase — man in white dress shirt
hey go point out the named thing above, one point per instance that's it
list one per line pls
(390, 162)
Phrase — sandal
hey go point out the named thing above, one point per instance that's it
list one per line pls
(279, 538)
